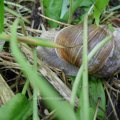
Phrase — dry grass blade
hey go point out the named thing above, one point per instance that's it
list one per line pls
(113, 107)
(61, 23)
(49, 75)
(5, 92)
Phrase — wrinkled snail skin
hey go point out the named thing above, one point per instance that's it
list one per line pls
(104, 64)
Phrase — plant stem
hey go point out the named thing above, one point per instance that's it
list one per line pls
(23, 27)
(32, 41)
(1, 15)
(55, 21)
(1, 22)
(85, 94)
(70, 12)
(35, 108)
(35, 89)
(25, 87)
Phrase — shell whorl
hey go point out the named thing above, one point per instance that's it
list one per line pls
(71, 37)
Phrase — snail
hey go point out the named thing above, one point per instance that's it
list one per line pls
(104, 64)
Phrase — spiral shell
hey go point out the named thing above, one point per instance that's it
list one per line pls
(72, 36)
(105, 62)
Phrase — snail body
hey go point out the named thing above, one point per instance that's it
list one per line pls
(106, 61)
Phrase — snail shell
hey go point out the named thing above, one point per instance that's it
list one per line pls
(104, 64)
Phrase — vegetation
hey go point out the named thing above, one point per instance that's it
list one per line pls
(29, 78)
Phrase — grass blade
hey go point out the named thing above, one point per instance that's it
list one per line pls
(1, 15)
(51, 97)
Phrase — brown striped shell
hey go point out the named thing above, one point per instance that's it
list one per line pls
(71, 37)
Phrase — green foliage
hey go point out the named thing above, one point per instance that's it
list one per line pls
(75, 5)
(83, 5)
(97, 93)
(84, 92)
(92, 113)
(51, 97)
(99, 7)
(52, 10)
(18, 108)
(35, 41)
(59, 9)
(87, 3)
(1, 15)
(64, 8)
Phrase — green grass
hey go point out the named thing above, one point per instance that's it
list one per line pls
(1, 15)
(37, 81)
